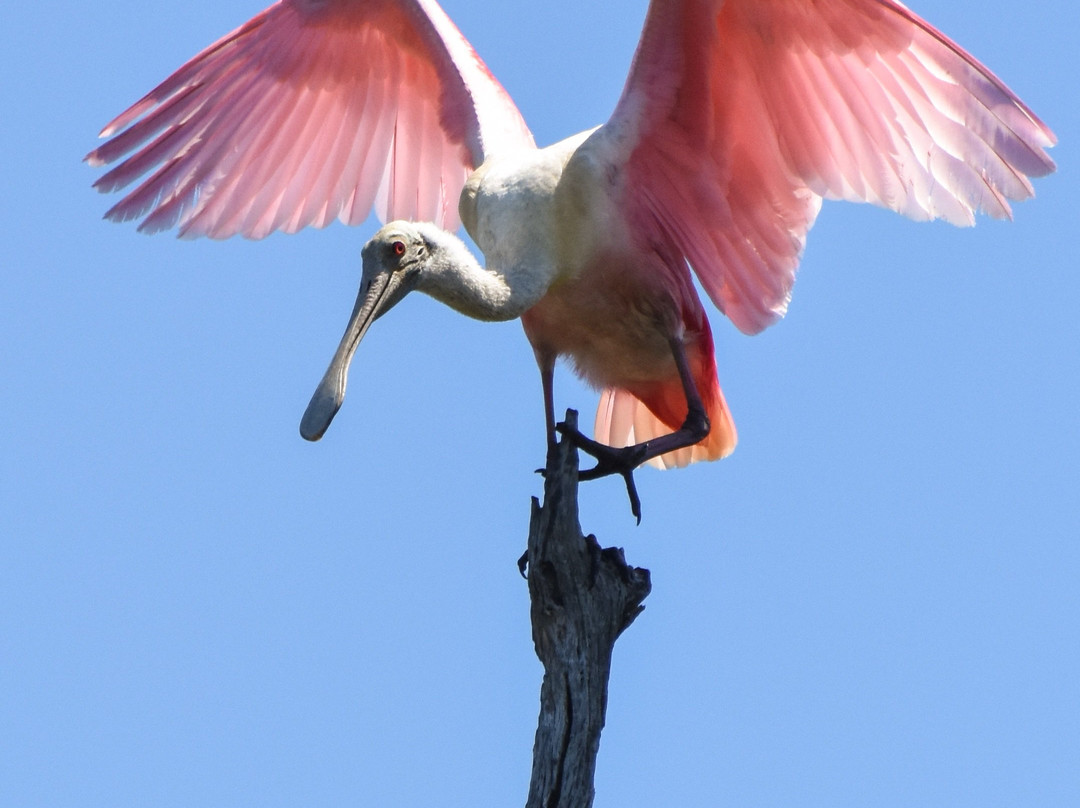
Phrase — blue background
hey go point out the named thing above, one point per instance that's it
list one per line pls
(873, 602)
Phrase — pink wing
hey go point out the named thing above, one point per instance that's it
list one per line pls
(739, 116)
(314, 109)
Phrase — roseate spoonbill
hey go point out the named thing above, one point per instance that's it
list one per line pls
(737, 119)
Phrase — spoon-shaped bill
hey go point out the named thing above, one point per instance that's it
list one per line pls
(374, 299)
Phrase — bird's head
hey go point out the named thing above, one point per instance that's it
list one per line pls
(393, 261)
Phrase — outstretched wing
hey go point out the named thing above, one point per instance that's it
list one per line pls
(313, 110)
(739, 116)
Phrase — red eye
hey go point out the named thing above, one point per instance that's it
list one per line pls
(399, 248)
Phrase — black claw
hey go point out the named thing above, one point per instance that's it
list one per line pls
(631, 492)
(610, 460)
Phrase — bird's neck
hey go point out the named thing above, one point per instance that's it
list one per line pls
(453, 276)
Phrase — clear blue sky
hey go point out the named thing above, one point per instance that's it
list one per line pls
(874, 602)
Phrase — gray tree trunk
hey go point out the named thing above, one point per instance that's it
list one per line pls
(583, 597)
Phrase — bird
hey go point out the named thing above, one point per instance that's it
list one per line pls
(737, 120)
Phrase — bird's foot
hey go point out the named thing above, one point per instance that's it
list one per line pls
(609, 460)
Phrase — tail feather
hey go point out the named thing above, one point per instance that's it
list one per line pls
(623, 419)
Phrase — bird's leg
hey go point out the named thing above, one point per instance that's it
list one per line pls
(547, 380)
(623, 461)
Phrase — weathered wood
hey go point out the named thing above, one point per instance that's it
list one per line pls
(583, 597)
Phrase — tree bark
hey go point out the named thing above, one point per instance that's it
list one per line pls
(583, 597)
